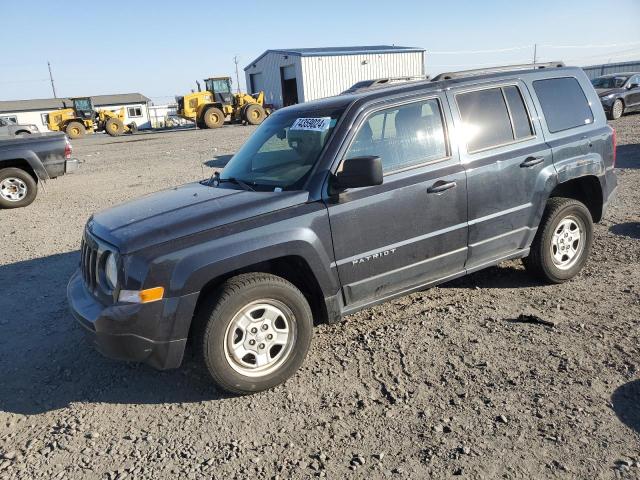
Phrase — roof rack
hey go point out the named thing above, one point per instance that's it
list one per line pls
(504, 68)
(383, 82)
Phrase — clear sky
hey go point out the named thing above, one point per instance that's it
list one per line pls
(159, 48)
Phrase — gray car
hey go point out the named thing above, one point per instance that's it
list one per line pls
(619, 93)
(9, 128)
(339, 204)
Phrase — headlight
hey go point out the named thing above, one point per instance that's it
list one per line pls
(608, 97)
(111, 270)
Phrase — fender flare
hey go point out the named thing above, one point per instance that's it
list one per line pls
(28, 156)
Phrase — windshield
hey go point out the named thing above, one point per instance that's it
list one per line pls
(282, 151)
(217, 86)
(609, 82)
(82, 104)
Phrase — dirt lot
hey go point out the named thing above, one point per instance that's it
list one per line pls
(440, 383)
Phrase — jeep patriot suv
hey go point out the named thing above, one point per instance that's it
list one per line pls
(338, 204)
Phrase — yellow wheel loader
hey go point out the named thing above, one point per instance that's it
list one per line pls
(82, 118)
(209, 108)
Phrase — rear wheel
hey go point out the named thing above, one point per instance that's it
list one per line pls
(213, 118)
(254, 333)
(114, 127)
(254, 114)
(75, 130)
(23, 133)
(133, 127)
(563, 241)
(17, 188)
(617, 109)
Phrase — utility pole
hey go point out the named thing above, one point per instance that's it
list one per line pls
(53, 87)
(235, 60)
(535, 53)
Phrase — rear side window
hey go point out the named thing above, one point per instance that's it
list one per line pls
(521, 122)
(564, 103)
(493, 117)
(402, 136)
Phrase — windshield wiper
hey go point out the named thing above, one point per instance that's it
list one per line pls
(217, 180)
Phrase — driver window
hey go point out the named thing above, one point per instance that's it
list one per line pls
(402, 136)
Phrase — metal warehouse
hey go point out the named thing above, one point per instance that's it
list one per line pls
(35, 111)
(594, 71)
(302, 74)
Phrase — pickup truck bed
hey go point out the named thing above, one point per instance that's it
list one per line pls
(27, 161)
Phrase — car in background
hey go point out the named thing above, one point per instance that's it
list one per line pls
(619, 93)
(29, 161)
(9, 128)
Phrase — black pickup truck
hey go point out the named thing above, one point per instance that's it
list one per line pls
(27, 161)
(338, 204)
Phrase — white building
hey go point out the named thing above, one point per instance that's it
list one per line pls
(136, 107)
(303, 74)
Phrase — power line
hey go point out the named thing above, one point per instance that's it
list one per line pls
(593, 46)
(467, 52)
(526, 47)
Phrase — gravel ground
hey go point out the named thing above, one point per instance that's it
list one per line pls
(442, 382)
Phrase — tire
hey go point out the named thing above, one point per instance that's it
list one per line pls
(546, 259)
(133, 127)
(75, 130)
(217, 332)
(254, 114)
(23, 133)
(213, 118)
(617, 110)
(114, 127)
(17, 188)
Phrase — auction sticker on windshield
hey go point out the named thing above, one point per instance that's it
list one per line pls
(319, 124)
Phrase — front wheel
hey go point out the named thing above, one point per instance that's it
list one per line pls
(617, 109)
(563, 241)
(254, 114)
(254, 333)
(114, 127)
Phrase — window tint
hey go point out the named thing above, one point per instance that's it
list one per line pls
(485, 119)
(563, 103)
(521, 122)
(402, 136)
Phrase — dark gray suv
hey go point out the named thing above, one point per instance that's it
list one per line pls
(339, 204)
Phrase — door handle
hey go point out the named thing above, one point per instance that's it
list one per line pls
(441, 186)
(531, 161)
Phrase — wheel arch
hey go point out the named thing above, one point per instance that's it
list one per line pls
(20, 163)
(293, 268)
(585, 189)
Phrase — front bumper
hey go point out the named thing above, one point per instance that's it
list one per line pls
(153, 333)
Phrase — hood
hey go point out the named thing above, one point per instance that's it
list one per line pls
(606, 91)
(182, 211)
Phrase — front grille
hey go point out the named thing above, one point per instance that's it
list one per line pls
(89, 263)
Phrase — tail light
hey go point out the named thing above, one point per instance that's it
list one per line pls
(614, 141)
(67, 150)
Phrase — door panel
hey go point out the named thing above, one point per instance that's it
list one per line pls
(391, 237)
(505, 181)
(412, 229)
(503, 201)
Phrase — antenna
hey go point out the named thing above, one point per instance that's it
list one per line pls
(235, 60)
(53, 87)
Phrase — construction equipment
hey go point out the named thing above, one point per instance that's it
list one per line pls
(81, 118)
(209, 108)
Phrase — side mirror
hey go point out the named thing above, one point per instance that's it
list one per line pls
(633, 85)
(359, 172)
